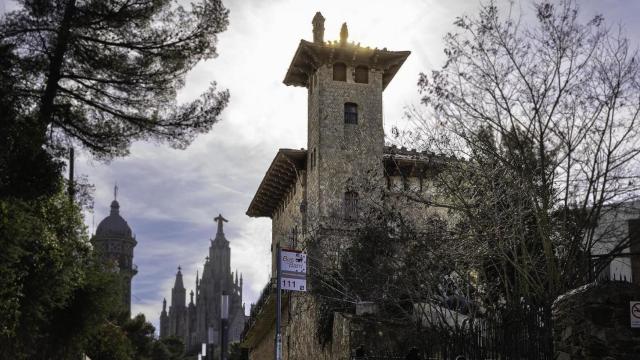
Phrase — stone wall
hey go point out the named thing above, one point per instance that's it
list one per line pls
(592, 322)
(287, 224)
(348, 156)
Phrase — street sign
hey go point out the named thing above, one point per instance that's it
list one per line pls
(634, 313)
(293, 268)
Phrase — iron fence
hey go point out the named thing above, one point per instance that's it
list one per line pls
(518, 333)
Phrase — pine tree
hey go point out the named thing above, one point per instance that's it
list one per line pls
(104, 73)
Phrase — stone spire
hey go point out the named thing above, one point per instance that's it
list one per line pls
(164, 305)
(318, 28)
(344, 34)
(236, 277)
(191, 295)
(178, 284)
(178, 293)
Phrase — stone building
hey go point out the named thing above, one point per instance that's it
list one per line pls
(618, 227)
(199, 321)
(114, 243)
(319, 193)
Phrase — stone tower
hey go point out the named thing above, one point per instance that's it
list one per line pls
(177, 310)
(199, 321)
(314, 197)
(114, 242)
(345, 140)
(164, 320)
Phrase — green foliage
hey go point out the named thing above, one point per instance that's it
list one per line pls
(51, 290)
(106, 73)
(109, 342)
(122, 338)
(160, 352)
(140, 334)
(26, 169)
(174, 346)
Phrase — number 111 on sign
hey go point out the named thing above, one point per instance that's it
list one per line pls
(294, 284)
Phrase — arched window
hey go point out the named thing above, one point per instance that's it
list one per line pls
(339, 72)
(350, 113)
(351, 205)
(362, 74)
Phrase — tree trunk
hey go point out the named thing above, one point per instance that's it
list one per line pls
(55, 65)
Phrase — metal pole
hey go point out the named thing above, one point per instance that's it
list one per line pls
(278, 339)
(71, 175)
(224, 319)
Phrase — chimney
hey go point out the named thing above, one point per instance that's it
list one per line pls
(318, 28)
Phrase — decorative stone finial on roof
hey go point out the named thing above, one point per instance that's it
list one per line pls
(115, 191)
(344, 34)
(318, 28)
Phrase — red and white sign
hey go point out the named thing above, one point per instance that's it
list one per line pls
(634, 313)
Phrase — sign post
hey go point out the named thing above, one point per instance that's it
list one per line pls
(278, 339)
(634, 313)
(293, 268)
(291, 274)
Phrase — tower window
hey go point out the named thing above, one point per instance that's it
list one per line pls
(339, 72)
(362, 74)
(351, 205)
(350, 113)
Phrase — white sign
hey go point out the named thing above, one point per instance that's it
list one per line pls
(634, 313)
(293, 270)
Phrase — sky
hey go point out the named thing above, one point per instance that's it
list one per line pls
(170, 197)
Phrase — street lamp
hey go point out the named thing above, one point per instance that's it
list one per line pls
(224, 319)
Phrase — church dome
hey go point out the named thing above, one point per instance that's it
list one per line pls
(114, 224)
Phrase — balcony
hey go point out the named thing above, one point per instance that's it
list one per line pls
(262, 317)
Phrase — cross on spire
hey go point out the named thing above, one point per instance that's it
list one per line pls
(220, 220)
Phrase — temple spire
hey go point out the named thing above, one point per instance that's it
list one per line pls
(178, 283)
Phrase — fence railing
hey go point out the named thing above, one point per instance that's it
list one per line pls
(519, 333)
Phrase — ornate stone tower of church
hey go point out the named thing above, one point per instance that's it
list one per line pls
(345, 126)
(199, 321)
(114, 242)
(217, 280)
(177, 310)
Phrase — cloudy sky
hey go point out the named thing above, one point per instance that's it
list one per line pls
(169, 197)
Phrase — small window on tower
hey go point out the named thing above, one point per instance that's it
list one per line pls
(362, 74)
(351, 205)
(339, 72)
(350, 113)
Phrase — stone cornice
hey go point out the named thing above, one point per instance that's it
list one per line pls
(310, 56)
